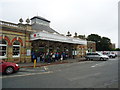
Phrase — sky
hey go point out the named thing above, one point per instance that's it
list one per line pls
(84, 17)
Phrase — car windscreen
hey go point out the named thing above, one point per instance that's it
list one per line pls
(89, 53)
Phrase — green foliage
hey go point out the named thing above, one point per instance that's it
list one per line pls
(102, 43)
(105, 44)
(94, 37)
(117, 49)
(81, 37)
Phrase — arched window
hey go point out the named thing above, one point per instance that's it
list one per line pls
(16, 49)
(3, 48)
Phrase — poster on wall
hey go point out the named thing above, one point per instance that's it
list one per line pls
(28, 52)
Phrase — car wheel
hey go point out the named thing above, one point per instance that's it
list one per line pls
(101, 58)
(110, 56)
(113, 57)
(88, 59)
(9, 70)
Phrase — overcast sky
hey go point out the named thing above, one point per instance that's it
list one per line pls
(82, 16)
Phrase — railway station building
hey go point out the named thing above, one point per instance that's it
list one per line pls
(18, 41)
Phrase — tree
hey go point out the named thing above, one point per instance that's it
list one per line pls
(97, 39)
(102, 43)
(117, 49)
(105, 44)
(81, 37)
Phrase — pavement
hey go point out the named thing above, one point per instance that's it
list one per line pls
(40, 64)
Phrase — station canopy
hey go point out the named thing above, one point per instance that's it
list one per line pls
(56, 37)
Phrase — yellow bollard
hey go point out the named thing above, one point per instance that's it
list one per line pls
(34, 63)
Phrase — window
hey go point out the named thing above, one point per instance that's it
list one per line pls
(3, 48)
(94, 53)
(89, 53)
(16, 49)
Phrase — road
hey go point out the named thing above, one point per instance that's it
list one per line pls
(87, 74)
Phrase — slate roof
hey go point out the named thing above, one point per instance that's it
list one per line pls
(39, 27)
(39, 17)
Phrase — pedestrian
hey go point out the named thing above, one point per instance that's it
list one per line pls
(66, 56)
(61, 57)
(48, 57)
(73, 54)
(63, 54)
(33, 56)
(43, 57)
(38, 57)
(53, 57)
(57, 56)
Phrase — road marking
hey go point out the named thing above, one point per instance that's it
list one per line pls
(100, 64)
(94, 65)
(46, 68)
(85, 62)
(26, 74)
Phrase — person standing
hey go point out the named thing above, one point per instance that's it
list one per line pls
(33, 57)
(63, 54)
(53, 57)
(57, 56)
(48, 57)
(61, 58)
(43, 57)
(38, 57)
(73, 53)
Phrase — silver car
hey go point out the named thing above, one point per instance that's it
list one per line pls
(96, 56)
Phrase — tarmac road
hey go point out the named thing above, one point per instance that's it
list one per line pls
(87, 74)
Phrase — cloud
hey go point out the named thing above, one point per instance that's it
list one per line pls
(81, 16)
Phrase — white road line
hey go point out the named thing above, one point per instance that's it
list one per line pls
(45, 67)
(100, 64)
(94, 65)
(26, 74)
(85, 62)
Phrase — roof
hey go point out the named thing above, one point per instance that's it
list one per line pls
(56, 37)
(39, 27)
(39, 17)
(91, 41)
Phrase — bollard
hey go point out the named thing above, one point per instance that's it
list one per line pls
(34, 63)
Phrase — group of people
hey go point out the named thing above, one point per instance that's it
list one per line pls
(48, 57)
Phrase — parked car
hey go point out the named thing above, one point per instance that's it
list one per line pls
(96, 56)
(8, 67)
(112, 55)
